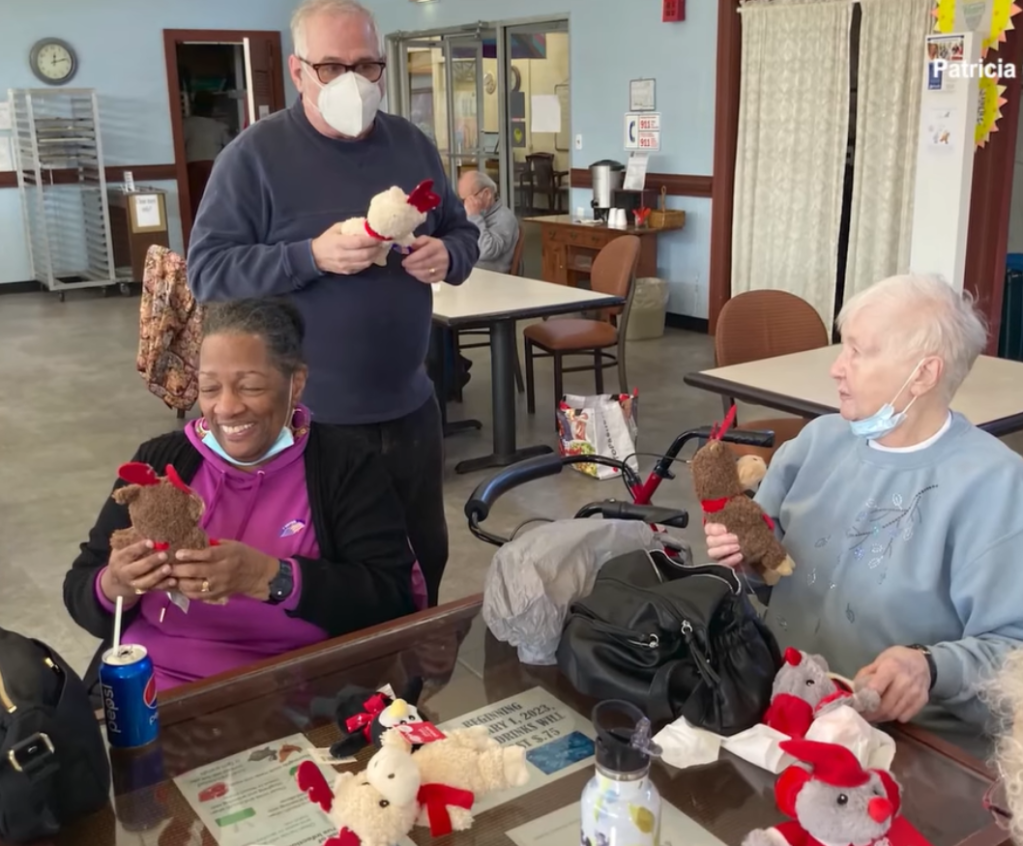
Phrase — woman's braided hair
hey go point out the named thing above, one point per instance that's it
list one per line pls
(274, 319)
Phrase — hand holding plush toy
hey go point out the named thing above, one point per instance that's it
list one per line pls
(803, 690)
(393, 218)
(722, 495)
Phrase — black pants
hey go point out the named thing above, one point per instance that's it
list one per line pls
(413, 451)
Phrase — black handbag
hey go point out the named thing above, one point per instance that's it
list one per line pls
(53, 762)
(673, 640)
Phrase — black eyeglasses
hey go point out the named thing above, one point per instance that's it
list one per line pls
(329, 71)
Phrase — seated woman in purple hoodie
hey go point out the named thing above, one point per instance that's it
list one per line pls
(312, 540)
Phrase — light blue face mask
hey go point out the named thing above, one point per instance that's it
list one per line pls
(284, 440)
(886, 419)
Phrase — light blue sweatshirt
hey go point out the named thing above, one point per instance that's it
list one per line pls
(901, 548)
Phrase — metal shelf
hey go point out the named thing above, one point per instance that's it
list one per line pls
(67, 223)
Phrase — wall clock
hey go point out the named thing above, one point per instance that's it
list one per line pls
(53, 61)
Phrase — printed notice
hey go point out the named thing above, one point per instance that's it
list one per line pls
(253, 798)
(560, 827)
(557, 740)
(147, 211)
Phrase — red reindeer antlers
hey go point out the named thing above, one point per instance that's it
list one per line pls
(718, 432)
(423, 198)
(175, 479)
(137, 473)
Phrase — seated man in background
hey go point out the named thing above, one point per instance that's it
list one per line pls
(312, 543)
(498, 226)
(903, 518)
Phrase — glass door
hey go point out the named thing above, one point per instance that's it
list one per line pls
(424, 87)
(536, 94)
(472, 104)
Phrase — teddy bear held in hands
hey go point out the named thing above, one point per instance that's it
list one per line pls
(722, 495)
(393, 217)
(162, 509)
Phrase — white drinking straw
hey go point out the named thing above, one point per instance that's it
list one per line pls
(118, 608)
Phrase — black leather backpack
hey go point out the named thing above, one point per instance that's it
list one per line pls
(53, 762)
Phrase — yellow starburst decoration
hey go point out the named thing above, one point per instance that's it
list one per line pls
(1002, 13)
(989, 109)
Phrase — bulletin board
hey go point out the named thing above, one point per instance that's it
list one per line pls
(563, 138)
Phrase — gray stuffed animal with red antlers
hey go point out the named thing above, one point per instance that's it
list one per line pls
(832, 800)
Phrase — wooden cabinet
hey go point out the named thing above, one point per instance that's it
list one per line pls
(569, 248)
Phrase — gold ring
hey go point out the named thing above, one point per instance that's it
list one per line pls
(205, 586)
(433, 270)
(139, 591)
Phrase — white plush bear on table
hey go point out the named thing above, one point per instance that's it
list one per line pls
(393, 217)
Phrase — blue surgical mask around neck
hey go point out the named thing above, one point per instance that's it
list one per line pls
(886, 419)
(284, 440)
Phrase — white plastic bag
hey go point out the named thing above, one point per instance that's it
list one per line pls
(532, 580)
(599, 425)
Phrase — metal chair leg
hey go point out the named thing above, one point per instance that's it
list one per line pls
(518, 373)
(530, 385)
(598, 371)
(559, 387)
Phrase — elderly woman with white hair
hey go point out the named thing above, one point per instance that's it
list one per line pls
(905, 521)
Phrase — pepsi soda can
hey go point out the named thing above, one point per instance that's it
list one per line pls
(129, 697)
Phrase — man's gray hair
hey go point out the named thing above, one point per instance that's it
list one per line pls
(945, 322)
(310, 8)
(481, 182)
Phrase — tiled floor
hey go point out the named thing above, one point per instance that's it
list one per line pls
(72, 408)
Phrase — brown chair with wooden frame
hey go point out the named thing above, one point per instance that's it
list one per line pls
(613, 272)
(763, 324)
(514, 270)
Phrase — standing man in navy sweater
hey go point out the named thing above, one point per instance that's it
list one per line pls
(269, 226)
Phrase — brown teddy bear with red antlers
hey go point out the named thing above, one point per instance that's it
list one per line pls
(162, 509)
(723, 498)
(830, 799)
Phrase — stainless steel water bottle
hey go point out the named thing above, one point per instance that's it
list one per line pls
(621, 806)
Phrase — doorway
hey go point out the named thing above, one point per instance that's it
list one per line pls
(496, 98)
(219, 82)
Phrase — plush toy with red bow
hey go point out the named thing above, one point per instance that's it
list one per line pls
(722, 495)
(832, 800)
(162, 509)
(804, 689)
(393, 217)
(436, 787)
(363, 715)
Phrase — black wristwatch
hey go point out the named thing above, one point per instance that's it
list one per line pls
(930, 662)
(282, 584)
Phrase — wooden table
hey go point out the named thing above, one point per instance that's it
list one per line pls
(466, 669)
(498, 300)
(569, 247)
(990, 398)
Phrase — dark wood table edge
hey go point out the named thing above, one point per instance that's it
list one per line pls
(804, 408)
(603, 301)
(188, 701)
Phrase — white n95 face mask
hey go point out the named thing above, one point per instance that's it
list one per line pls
(349, 103)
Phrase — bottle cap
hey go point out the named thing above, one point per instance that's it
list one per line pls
(624, 743)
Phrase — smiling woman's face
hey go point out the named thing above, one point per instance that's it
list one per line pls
(244, 397)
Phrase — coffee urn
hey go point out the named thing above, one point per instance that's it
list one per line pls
(607, 177)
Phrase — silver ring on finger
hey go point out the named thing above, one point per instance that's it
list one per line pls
(205, 587)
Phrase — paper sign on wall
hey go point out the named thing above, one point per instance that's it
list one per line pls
(546, 113)
(643, 131)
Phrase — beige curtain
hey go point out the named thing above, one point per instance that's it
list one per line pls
(790, 160)
(889, 85)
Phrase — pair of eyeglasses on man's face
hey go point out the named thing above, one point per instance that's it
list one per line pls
(329, 71)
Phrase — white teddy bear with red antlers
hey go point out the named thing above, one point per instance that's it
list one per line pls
(393, 217)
